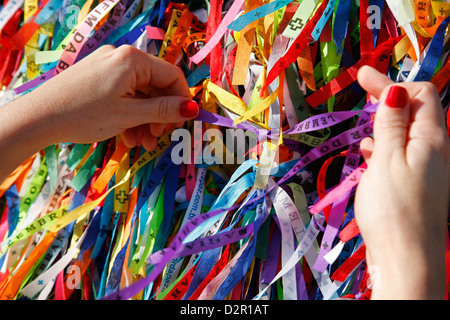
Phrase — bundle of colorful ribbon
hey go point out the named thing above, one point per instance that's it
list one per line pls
(260, 206)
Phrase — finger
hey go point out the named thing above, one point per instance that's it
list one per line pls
(426, 121)
(129, 137)
(179, 124)
(139, 135)
(104, 49)
(149, 141)
(168, 127)
(427, 105)
(157, 129)
(169, 109)
(373, 81)
(366, 146)
(392, 122)
(153, 72)
(376, 84)
(428, 128)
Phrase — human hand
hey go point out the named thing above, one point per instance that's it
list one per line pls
(113, 91)
(402, 199)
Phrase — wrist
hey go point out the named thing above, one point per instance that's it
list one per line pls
(28, 122)
(408, 275)
(20, 135)
(34, 122)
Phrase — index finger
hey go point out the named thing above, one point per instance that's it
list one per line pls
(425, 102)
(152, 72)
(426, 117)
(377, 84)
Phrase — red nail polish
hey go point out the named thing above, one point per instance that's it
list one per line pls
(397, 97)
(189, 109)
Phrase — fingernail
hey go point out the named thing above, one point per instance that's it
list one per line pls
(397, 97)
(189, 109)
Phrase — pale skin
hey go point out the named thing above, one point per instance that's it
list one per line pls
(401, 202)
(113, 91)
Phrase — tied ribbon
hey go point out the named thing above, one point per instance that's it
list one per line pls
(268, 168)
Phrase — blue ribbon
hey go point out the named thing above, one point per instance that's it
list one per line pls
(141, 19)
(162, 8)
(169, 201)
(199, 74)
(434, 53)
(131, 36)
(108, 208)
(323, 20)
(375, 31)
(242, 265)
(102, 289)
(92, 233)
(48, 11)
(12, 199)
(229, 198)
(340, 26)
(255, 14)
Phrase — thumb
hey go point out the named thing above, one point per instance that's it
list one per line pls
(164, 109)
(392, 122)
(366, 146)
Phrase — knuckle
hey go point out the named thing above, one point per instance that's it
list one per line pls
(179, 73)
(429, 89)
(126, 49)
(162, 111)
(442, 142)
(106, 48)
(392, 123)
(125, 53)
